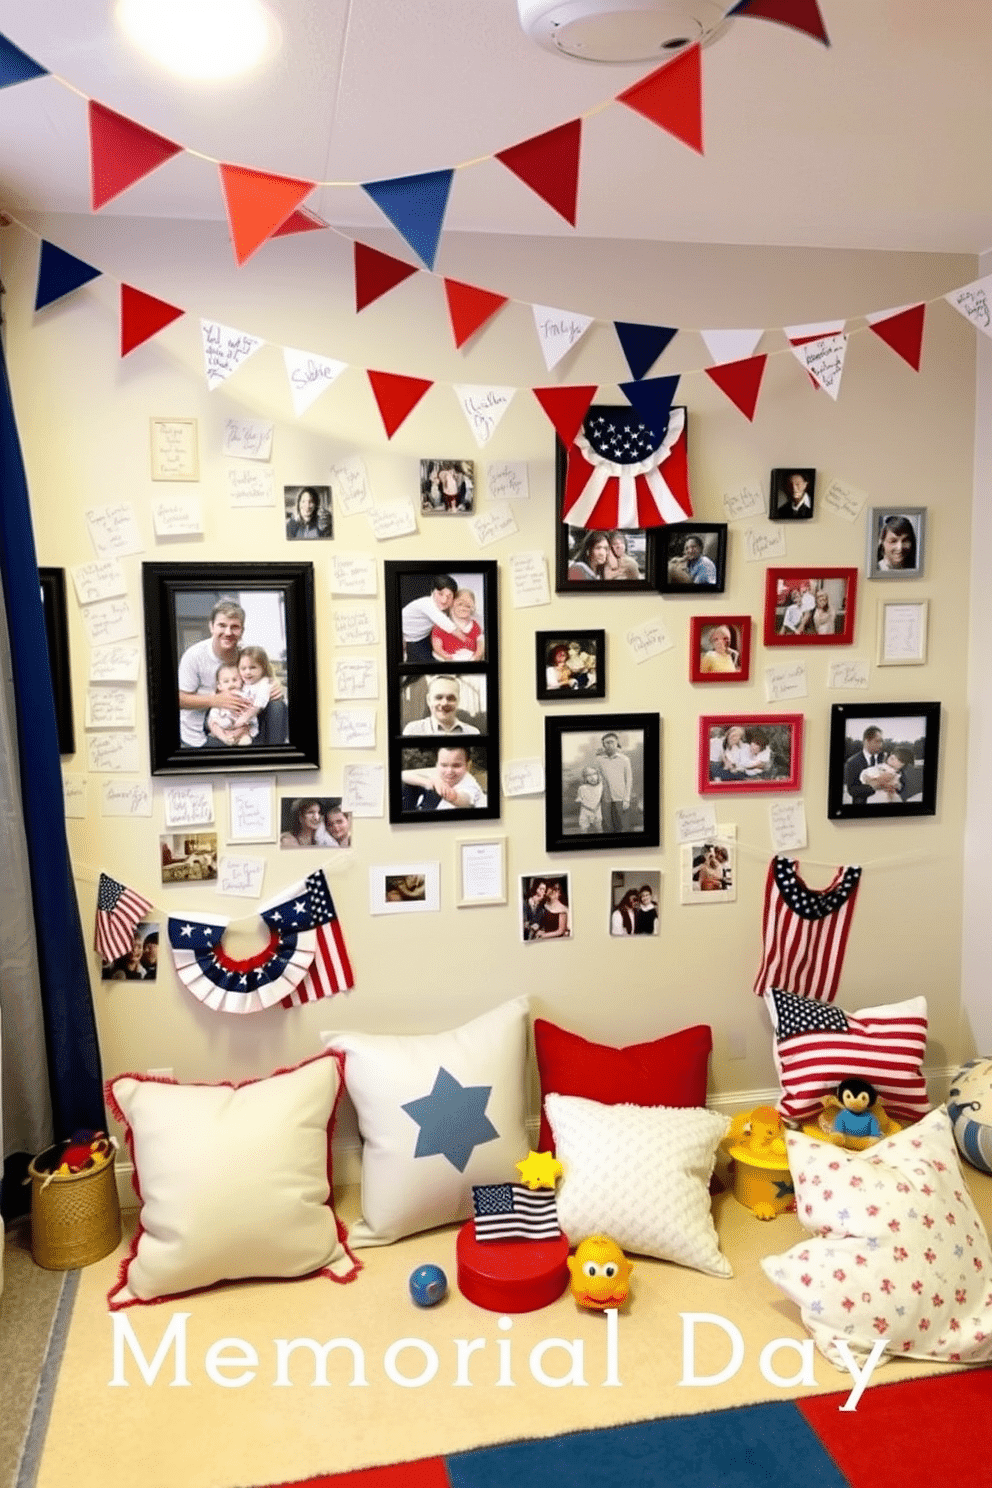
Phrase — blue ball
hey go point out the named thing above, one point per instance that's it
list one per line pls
(428, 1285)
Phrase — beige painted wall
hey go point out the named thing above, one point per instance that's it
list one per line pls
(902, 438)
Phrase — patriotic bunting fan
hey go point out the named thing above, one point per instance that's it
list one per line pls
(620, 474)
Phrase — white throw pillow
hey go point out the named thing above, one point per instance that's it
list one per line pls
(234, 1180)
(639, 1174)
(437, 1113)
(902, 1253)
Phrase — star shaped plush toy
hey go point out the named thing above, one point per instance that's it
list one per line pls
(539, 1170)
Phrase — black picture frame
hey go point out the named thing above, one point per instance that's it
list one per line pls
(53, 604)
(672, 557)
(580, 676)
(905, 728)
(279, 601)
(470, 666)
(572, 745)
(780, 485)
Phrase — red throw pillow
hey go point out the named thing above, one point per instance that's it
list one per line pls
(669, 1071)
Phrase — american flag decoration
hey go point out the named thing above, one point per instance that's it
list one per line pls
(512, 1211)
(805, 931)
(620, 474)
(118, 910)
(331, 970)
(817, 1045)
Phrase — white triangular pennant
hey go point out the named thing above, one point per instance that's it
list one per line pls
(731, 346)
(309, 375)
(974, 302)
(824, 361)
(224, 350)
(483, 408)
(558, 331)
(815, 331)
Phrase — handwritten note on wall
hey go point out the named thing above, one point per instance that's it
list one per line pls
(695, 823)
(247, 438)
(762, 542)
(175, 456)
(352, 728)
(787, 821)
(783, 682)
(74, 796)
(843, 500)
(356, 677)
(493, 525)
(126, 798)
(110, 707)
(251, 485)
(392, 519)
(508, 481)
(113, 530)
(111, 620)
(188, 805)
(251, 813)
(177, 517)
(363, 789)
(350, 487)
(241, 877)
(647, 640)
(355, 625)
(522, 777)
(114, 663)
(851, 673)
(353, 573)
(112, 753)
(746, 500)
(101, 580)
(529, 580)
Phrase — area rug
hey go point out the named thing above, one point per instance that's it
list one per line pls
(907, 1435)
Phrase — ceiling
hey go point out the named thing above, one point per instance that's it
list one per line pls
(877, 141)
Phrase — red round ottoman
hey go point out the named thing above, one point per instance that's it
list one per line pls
(510, 1275)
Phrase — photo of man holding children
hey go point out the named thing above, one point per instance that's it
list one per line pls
(232, 669)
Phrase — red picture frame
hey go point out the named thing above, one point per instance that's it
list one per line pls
(708, 661)
(798, 602)
(750, 753)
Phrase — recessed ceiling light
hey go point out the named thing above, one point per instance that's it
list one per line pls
(202, 39)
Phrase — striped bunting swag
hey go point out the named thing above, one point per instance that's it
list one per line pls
(817, 1045)
(804, 931)
(512, 1211)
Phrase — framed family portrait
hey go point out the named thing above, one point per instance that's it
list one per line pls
(693, 558)
(570, 665)
(602, 773)
(53, 604)
(232, 677)
(447, 488)
(810, 606)
(442, 648)
(790, 494)
(720, 648)
(615, 475)
(750, 752)
(896, 540)
(883, 760)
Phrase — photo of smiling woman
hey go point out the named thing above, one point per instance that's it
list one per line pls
(895, 543)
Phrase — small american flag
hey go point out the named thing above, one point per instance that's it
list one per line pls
(331, 970)
(118, 911)
(512, 1211)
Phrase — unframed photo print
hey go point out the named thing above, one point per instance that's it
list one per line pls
(405, 888)
(140, 962)
(188, 857)
(314, 821)
(635, 895)
(709, 869)
(447, 488)
(309, 513)
(545, 906)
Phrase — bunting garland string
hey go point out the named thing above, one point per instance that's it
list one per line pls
(260, 204)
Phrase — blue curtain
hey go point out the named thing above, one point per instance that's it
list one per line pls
(74, 1071)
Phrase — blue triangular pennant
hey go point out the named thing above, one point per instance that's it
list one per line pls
(16, 66)
(653, 400)
(59, 273)
(642, 344)
(415, 205)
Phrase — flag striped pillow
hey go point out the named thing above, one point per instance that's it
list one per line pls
(817, 1045)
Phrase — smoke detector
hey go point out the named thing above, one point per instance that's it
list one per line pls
(617, 31)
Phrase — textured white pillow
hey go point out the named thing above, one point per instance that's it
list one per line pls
(437, 1113)
(902, 1253)
(234, 1181)
(639, 1174)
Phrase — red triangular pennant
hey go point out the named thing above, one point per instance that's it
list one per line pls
(121, 152)
(740, 381)
(396, 396)
(377, 273)
(257, 204)
(803, 15)
(143, 316)
(903, 332)
(672, 98)
(302, 220)
(469, 308)
(549, 165)
(566, 407)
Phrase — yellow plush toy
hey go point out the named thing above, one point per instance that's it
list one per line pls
(600, 1273)
(755, 1141)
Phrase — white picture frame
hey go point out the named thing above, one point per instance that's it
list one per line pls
(405, 888)
(902, 632)
(719, 854)
(175, 452)
(480, 871)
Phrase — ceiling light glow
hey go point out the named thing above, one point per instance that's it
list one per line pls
(200, 39)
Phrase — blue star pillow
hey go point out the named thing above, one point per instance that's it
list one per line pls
(437, 1113)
